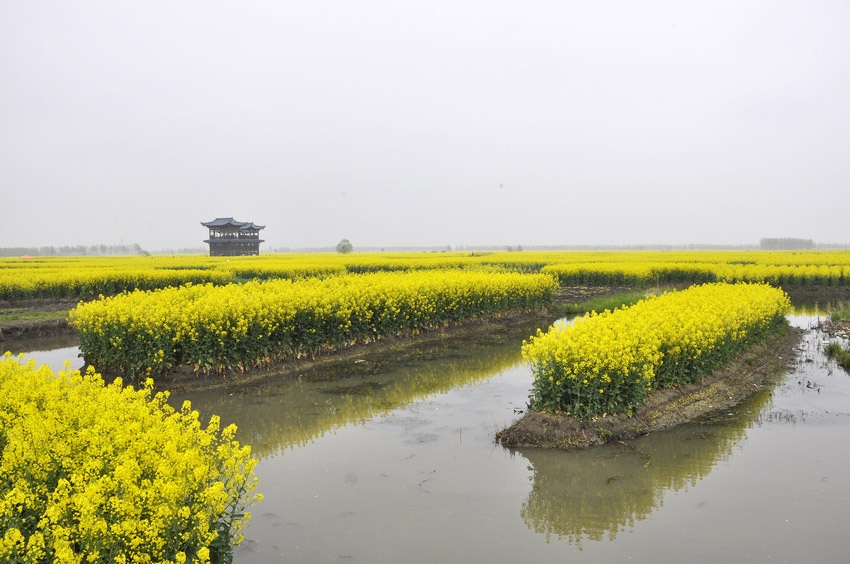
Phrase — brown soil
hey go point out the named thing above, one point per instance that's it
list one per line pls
(664, 408)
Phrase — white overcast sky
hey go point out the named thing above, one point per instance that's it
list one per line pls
(424, 122)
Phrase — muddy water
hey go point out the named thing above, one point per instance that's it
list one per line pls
(393, 460)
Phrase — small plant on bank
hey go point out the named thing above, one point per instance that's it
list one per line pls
(840, 315)
(840, 354)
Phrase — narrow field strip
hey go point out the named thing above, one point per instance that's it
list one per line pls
(607, 363)
(643, 274)
(238, 326)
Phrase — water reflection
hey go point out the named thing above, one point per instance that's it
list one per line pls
(819, 308)
(597, 493)
(53, 351)
(292, 410)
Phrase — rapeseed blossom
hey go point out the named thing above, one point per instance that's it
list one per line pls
(244, 325)
(92, 276)
(97, 473)
(609, 362)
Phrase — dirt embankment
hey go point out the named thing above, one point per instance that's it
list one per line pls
(17, 329)
(664, 408)
(580, 294)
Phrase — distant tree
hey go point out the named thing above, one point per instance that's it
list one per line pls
(344, 246)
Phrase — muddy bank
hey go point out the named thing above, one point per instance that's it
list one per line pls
(664, 408)
(28, 328)
(579, 294)
(840, 329)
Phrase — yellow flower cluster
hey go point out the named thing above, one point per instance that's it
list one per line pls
(97, 473)
(70, 282)
(629, 273)
(242, 325)
(608, 362)
(91, 276)
(647, 273)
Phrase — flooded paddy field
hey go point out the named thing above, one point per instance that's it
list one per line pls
(391, 458)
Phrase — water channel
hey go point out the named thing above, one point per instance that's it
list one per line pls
(391, 458)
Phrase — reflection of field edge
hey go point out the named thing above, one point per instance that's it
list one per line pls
(665, 408)
(593, 494)
(288, 410)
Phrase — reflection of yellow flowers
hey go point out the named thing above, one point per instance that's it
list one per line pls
(107, 473)
(608, 362)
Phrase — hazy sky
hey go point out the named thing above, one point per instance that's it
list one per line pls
(424, 123)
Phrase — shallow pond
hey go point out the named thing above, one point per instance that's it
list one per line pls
(393, 460)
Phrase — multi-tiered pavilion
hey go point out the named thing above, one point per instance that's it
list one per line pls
(231, 238)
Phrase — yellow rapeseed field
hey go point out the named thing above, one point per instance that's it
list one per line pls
(92, 276)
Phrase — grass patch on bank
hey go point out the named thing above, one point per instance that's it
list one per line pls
(840, 354)
(28, 315)
(840, 315)
(611, 302)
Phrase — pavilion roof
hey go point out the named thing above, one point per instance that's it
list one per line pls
(225, 221)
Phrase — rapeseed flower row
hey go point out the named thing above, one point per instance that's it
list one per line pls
(16, 284)
(92, 276)
(108, 474)
(609, 362)
(243, 325)
(649, 273)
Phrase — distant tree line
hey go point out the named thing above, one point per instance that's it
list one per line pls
(72, 250)
(183, 251)
(786, 244)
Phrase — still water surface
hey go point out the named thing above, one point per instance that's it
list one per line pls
(392, 459)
